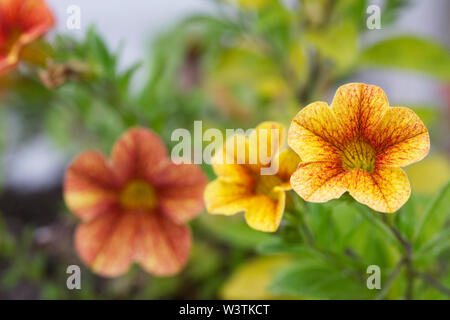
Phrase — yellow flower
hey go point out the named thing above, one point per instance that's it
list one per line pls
(357, 144)
(240, 186)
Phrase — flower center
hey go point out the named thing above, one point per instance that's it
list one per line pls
(358, 155)
(265, 185)
(138, 195)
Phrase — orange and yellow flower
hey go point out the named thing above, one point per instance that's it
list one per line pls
(357, 144)
(134, 207)
(21, 22)
(240, 186)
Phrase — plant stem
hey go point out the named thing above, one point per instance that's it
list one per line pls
(428, 279)
(304, 229)
(390, 280)
(410, 273)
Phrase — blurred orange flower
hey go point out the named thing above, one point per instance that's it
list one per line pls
(240, 185)
(358, 144)
(134, 206)
(21, 22)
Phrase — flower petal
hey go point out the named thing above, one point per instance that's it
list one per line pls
(228, 198)
(89, 186)
(264, 214)
(400, 138)
(264, 142)
(106, 244)
(314, 134)
(230, 162)
(358, 108)
(287, 162)
(138, 154)
(162, 247)
(384, 190)
(32, 17)
(180, 191)
(319, 181)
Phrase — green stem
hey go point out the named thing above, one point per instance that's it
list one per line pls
(428, 279)
(303, 227)
(390, 280)
(410, 273)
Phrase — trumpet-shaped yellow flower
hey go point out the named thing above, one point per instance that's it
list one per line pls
(357, 144)
(240, 186)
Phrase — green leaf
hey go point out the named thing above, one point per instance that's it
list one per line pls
(434, 218)
(321, 281)
(233, 231)
(410, 53)
(406, 218)
(391, 10)
(433, 248)
(337, 43)
(370, 216)
(278, 245)
(322, 224)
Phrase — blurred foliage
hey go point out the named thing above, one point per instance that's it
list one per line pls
(429, 175)
(410, 53)
(247, 62)
(252, 279)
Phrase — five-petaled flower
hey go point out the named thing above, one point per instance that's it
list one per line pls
(357, 144)
(134, 206)
(240, 186)
(21, 22)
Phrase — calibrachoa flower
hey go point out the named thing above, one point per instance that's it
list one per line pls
(240, 185)
(357, 144)
(21, 22)
(133, 206)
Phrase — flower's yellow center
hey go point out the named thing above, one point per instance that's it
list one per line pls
(358, 155)
(265, 185)
(138, 195)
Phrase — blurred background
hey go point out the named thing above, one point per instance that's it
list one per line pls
(229, 63)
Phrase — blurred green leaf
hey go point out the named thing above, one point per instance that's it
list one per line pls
(321, 220)
(406, 218)
(7, 243)
(352, 10)
(409, 53)
(278, 245)
(391, 10)
(233, 230)
(321, 281)
(337, 43)
(433, 248)
(433, 220)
